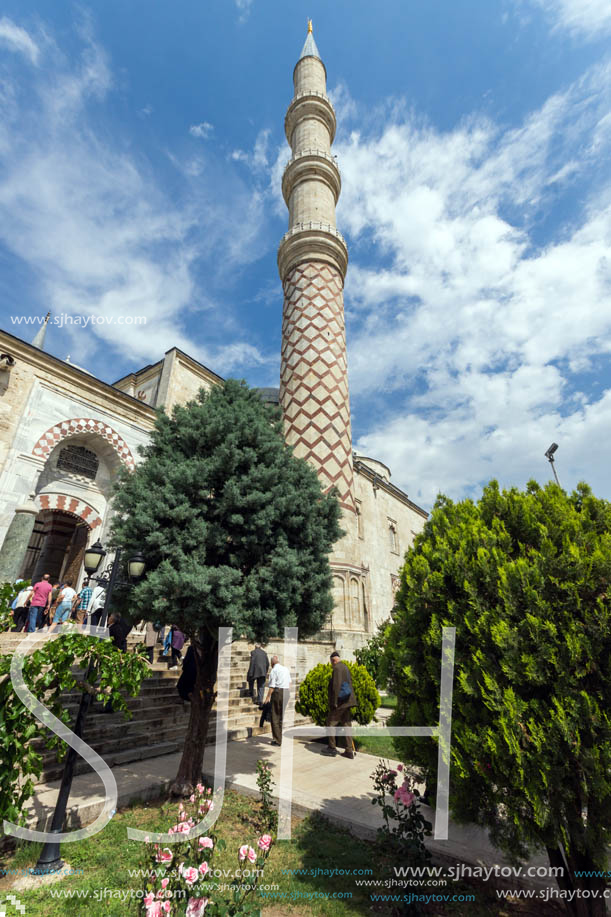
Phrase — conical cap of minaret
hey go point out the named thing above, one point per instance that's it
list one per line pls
(39, 337)
(309, 46)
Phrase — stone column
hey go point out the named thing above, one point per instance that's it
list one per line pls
(17, 540)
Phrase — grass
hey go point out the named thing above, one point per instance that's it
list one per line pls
(390, 701)
(380, 746)
(315, 848)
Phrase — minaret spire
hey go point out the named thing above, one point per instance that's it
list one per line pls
(39, 337)
(312, 261)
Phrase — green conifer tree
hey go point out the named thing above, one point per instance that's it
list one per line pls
(236, 531)
(525, 579)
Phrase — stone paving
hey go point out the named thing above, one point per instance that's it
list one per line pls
(338, 788)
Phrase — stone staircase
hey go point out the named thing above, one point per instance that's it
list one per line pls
(159, 716)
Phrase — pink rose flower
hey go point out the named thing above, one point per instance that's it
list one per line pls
(154, 909)
(164, 856)
(149, 899)
(264, 842)
(203, 868)
(183, 815)
(196, 907)
(403, 796)
(190, 874)
(192, 798)
(200, 788)
(167, 907)
(164, 883)
(206, 843)
(246, 852)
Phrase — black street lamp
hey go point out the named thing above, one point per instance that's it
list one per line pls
(549, 455)
(50, 859)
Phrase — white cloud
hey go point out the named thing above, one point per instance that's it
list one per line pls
(99, 234)
(202, 131)
(244, 9)
(589, 17)
(466, 341)
(17, 39)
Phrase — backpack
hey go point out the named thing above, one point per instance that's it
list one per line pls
(344, 692)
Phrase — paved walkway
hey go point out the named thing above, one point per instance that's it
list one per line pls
(338, 788)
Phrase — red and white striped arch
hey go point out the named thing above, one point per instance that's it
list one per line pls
(54, 435)
(71, 505)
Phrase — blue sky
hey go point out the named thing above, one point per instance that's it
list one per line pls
(141, 149)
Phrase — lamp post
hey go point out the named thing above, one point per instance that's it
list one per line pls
(50, 859)
(549, 455)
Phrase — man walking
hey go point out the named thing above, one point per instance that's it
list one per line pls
(257, 672)
(341, 699)
(279, 684)
(81, 602)
(41, 599)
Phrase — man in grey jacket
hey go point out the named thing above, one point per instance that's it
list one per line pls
(257, 672)
(341, 700)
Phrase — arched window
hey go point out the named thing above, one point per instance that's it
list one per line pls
(355, 602)
(78, 460)
(339, 597)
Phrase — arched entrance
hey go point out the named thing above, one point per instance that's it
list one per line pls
(57, 546)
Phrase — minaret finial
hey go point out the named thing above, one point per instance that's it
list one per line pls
(39, 337)
(310, 30)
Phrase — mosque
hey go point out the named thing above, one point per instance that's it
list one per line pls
(64, 434)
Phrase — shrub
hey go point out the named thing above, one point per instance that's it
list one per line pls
(405, 827)
(313, 698)
(180, 880)
(371, 655)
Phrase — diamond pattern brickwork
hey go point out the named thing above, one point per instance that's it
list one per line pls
(314, 375)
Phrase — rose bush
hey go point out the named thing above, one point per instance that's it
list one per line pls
(182, 879)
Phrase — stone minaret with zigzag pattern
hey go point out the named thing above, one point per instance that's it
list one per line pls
(312, 260)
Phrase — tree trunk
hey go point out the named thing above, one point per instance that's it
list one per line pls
(202, 700)
(580, 906)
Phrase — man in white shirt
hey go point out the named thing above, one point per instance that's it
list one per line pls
(279, 684)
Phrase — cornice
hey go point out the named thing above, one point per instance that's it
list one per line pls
(309, 165)
(312, 242)
(71, 378)
(381, 484)
(310, 104)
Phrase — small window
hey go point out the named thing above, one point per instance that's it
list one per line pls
(359, 519)
(392, 534)
(78, 460)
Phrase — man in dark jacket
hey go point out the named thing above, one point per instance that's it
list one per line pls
(341, 700)
(118, 629)
(257, 672)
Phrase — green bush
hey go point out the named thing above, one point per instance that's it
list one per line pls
(371, 654)
(8, 591)
(313, 698)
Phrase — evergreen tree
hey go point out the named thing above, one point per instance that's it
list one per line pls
(524, 578)
(236, 531)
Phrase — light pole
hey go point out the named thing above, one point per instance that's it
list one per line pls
(50, 859)
(549, 455)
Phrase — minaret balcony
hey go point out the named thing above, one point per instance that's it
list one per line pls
(311, 164)
(310, 104)
(312, 241)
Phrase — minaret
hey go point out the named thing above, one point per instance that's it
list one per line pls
(312, 260)
(39, 337)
